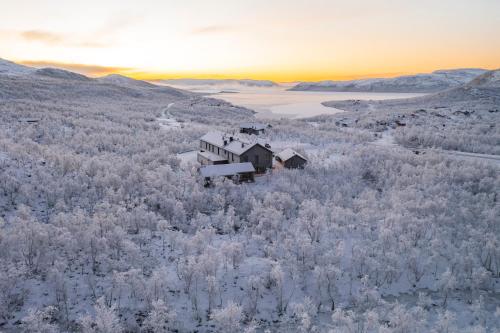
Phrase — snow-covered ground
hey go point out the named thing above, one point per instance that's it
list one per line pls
(387, 140)
(105, 228)
(166, 121)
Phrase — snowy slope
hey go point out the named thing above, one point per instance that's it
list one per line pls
(462, 118)
(433, 82)
(11, 68)
(57, 84)
(487, 80)
(56, 73)
(124, 81)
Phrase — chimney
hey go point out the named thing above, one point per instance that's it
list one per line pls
(231, 139)
(242, 145)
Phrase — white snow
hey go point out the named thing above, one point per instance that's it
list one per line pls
(166, 121)
(236, 145)
(94, 206)
(11, 68)
(288, 153)
(124, 80)
(226, 169)
(211, 156)
(188, 158)
(436, 81)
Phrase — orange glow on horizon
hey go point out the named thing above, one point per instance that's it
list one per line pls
(281, 40)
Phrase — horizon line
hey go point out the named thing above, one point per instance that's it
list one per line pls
(95, 71)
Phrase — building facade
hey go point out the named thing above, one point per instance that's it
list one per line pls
(291, 159)
(224, 148)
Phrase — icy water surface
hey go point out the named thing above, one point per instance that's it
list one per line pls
(278, 102)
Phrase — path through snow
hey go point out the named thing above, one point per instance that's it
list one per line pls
(167, 121)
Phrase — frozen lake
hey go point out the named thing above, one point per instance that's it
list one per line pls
(278, 102)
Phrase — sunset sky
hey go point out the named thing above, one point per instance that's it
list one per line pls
(261, 39)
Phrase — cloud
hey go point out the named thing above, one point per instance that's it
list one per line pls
(56, 39)
(42, 36)
(90, 70)
(213, 29)
(103, 36)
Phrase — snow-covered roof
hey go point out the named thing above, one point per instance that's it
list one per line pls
(211, 156)
(287, 154)
(255, 126)
(237, 146)
(221, 170)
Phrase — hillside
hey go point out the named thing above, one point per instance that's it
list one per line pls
(56, 84)
(463, 118)
(11, 68)
(106, 225)
(424, 83)
(125, 81)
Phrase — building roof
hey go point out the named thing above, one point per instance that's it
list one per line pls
(221, 170)
(237, 146)
(255, 126)
(288, 153)
(211, 156)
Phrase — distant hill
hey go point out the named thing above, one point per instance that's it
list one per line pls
(125, 81)
(51, 84)
(57, 73)
(424, 83)
(11, 68)
(481, 93)
(214, 82)
(487, 80)
(22, 82)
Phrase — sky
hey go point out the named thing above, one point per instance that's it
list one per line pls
(293, 40)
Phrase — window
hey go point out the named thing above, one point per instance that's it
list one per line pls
(256, 159)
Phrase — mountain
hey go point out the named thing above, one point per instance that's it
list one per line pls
(214, 82)
(57, 85)
(422, 83)
(124, 81)
(11, 68)
(482, 94)
(21, 82)
(487, 80)
(57, 73)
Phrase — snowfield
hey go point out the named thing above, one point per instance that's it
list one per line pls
(105, 225)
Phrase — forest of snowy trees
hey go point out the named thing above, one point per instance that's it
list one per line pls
(103, 230)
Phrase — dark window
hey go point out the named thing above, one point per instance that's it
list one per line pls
(256, 159)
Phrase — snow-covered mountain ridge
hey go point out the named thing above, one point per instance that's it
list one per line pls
(124, 80)
(215, 82)
(432, 82)
(11, 68)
